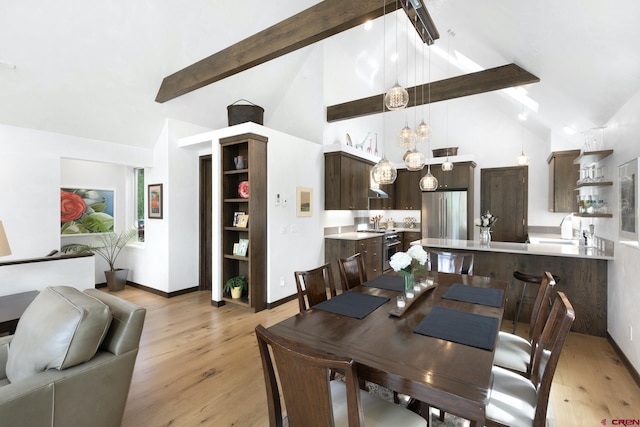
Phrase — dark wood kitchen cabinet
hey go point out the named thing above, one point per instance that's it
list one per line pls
(371, 249)
(408, 195)
(407, 237)
(346, 182)
(460, 178)
(563, 173)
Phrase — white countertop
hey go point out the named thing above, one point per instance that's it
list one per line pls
(360, 235)
(548, 249)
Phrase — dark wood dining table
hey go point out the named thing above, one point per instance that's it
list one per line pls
(450, 376)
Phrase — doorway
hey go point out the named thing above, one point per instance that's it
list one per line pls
(504, 193)
(205, 195)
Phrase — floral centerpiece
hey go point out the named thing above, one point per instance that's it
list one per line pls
(409, 263)
(485, 222)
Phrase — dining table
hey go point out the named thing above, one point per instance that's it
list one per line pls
(439, 350)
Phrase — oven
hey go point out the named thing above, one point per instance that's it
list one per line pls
(391, 245)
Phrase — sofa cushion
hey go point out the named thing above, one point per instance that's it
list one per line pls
(61, 328)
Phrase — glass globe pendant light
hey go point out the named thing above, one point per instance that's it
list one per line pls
(423, 131)
(428, 182)
(384, 172)
(407, 137)
(397, 97)
(522, 159)
(447, 165)
(414, 160)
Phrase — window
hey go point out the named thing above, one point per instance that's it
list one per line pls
(139, 181)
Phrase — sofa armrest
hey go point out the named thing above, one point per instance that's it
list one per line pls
(4, 355)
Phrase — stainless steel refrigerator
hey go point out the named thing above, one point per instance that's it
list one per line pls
(444, 215)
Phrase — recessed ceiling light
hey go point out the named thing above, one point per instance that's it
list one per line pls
(368, 25)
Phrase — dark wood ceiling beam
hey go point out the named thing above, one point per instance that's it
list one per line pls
(307, 27)
(502, 77)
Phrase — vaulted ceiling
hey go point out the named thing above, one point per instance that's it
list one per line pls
(93, 69)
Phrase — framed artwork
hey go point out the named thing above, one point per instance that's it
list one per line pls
(628, 175)
(243, 246)
(243, 220)
(154, 197)
(303, 202)
(236, 215)
(86, 211)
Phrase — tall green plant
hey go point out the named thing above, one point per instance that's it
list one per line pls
(108, 245)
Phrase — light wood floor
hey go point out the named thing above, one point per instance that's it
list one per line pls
(199, 365)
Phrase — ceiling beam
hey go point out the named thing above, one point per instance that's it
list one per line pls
(497, 78)
(307, 27)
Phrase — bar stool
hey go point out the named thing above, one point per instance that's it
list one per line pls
(526, 278)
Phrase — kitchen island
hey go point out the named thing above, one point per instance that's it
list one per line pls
(582, 272)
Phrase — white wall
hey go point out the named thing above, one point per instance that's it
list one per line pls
(30, 177)
(293, 243)
(621, 135)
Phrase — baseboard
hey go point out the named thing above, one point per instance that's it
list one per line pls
(154, 291)
(625, 361)
(275, 304)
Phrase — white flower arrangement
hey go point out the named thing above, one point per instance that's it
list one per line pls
(409, 262)
(486, 220)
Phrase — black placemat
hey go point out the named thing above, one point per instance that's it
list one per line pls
(458, 326)
(474, 294)
(352, 304)
(390, 283)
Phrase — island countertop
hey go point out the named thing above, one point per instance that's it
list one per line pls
(548, 249)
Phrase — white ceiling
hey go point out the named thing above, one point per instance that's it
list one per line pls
(93, 69)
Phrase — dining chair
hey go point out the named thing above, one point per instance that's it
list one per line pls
(352, 271)
(518, 401)
(314, 284)
(451, 262)
(514, 352)
(310, 398)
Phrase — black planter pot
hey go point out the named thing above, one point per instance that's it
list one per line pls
(116, 279)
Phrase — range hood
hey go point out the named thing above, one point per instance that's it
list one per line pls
(376, 193)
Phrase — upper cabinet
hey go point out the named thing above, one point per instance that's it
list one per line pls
(407, 190)
(346, 182)
(562, 178)
(460, 178)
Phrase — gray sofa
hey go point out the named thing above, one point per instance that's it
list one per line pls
(68, 391)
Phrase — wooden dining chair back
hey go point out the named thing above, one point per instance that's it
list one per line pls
(541, 306)
(352, 272)
(451, 262)
(304, 382)
(314, 285)
(311, 399)
(516, 400)
(548, 349)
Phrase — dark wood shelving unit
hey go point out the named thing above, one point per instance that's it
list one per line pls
(589, 157)
(594, 215)
(254, 265)
(594, 184)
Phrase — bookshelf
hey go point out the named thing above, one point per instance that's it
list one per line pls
(249, 199)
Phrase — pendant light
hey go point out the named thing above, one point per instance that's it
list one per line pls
(397, 97)
(428, 182)
(522, 159)
(384, 172)
(423, 131)
(447, 166)
(414, 160)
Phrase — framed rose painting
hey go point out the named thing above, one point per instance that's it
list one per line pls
(86, 211)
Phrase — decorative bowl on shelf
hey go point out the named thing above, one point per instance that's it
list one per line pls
(445, 152)
(243, 189)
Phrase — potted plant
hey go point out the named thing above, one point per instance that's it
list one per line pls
(235, 286)
(108, 246)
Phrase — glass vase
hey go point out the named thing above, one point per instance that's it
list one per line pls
(409, 280)
(485, 236)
